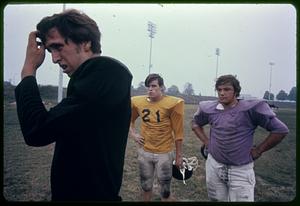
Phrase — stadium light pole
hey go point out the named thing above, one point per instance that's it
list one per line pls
(270, 84)
(217, 65)
(152, 31)
(60, 77)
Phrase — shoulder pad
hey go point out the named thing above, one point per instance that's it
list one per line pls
(259, 106)
(245, 105)
(265, 109)
(208, 106)
(172, 101)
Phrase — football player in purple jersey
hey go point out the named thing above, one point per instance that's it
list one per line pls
(229, 165)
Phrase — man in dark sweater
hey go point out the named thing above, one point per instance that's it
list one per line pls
(90, 126)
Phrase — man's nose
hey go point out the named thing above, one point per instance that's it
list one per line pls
(55, 57)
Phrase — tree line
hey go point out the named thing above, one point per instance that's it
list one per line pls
(189, 91)
(282, 95)
(49, 92)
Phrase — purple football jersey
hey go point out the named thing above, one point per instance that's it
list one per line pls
(231, 130)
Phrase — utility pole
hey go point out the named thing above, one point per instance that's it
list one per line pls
(152, 31)
(60, 77)
(217, 65)
(270, 84)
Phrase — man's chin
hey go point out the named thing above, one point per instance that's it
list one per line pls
(224, 102)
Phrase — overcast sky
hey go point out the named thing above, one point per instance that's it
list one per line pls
(249, 37)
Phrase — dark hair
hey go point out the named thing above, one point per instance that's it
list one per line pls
(152, 77)
(74, 25)
(229, 79)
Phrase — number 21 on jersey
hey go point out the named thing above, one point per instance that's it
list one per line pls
(146, 117)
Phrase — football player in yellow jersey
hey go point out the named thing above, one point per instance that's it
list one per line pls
(161, 132)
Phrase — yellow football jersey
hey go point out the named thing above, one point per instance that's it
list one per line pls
(161, 121)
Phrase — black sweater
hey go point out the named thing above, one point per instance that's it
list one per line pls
(89, 127)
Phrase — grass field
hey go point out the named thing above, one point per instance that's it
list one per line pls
(27, 169)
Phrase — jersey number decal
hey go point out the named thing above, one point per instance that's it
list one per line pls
(146, 113)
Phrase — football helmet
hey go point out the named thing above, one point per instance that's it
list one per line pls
(189, 165)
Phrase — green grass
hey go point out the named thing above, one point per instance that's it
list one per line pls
(26, 172)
